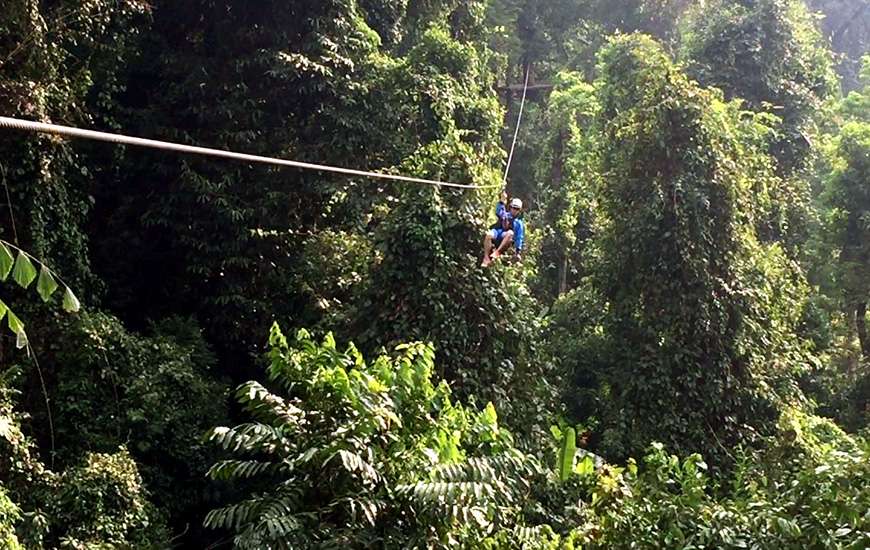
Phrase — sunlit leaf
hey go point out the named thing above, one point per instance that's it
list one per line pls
(6, 261)
(17, 327)
(566, 453)
(70, 302)
(23, 272)
(46, 285)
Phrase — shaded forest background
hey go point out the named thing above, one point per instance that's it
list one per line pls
(275, 358)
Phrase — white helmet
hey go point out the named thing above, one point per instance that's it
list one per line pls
(516, 203)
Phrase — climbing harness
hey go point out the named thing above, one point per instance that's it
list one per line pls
(69, 131)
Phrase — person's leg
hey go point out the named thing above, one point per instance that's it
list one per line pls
(487, 247)
(506, 240)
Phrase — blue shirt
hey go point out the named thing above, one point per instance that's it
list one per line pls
(516, 224)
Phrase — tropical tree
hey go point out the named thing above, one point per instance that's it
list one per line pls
(568, 177)
(770, 54)
(848, 196)
(59, 62)
(694, 309)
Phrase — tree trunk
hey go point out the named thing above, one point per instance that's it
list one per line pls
(861, 326)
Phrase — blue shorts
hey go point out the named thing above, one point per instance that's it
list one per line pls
(498, 235)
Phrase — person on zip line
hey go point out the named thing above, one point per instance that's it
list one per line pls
(509, 229)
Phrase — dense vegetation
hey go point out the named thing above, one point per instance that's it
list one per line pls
(210, 354)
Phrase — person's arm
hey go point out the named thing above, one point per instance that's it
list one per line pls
(500, 210)
(519, 237)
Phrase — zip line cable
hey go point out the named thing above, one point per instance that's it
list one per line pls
(69, 131)
(517, 129)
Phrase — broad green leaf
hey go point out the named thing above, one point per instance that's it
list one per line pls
(3, 309)
(24, 272)
(585, 467)
(16, 326)
(46, 285)
(490, 415)
(70, 302)
(566, 454)
(6, 261)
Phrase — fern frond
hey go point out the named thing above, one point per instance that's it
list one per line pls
(233, 516)
(233, 469)
(268, 407)
(446, 492)
(251, 438)
(353, 462)
(487, 468)
(270, 524)
(368, 507)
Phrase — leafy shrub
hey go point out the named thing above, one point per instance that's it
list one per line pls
(156, 395)
(9, 516)
(807, 491)
(102, 504)
(350, 453)
(98, 504)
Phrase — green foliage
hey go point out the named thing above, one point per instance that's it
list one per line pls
(10, 513)
(849, 199)
(59, 62)
(568, 186)
(362, 454)
(576, 340)
(848, 223)
(856, 105)
(769, 53)
(9, 516)
(21, 471)
(102, 504)
(689, 345)
(155, 394)
(289, 82)
(806, 490)
(23, 273)
(556, 35)
(334, 285)
(797, 503)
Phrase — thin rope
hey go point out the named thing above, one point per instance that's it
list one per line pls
(69, 131)
(32, 354)
(9, 203)
(517, 129)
